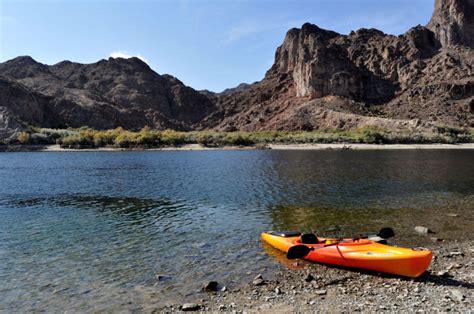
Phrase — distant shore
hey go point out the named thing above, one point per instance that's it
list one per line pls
(199, 147)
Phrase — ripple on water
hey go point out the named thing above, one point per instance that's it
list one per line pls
(91, 231)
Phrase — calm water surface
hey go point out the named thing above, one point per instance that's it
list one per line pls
(91, 231)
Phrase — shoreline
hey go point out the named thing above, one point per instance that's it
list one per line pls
(198, 147)
(299, 286)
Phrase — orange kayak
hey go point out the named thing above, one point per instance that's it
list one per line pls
(360, 254)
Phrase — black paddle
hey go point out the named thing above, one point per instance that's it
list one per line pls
(300, 251)
(386, 233)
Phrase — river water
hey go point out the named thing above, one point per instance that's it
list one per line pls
(91, 231)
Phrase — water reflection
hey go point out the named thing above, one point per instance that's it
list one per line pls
(337, 222)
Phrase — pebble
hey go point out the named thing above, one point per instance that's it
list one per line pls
(309, 278)
(422, 230)
(258, 282)
(265, 306)
(190, 307)
(452, 215)
(458, 295)
(321, 292)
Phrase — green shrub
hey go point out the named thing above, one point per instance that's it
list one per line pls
(147, 138)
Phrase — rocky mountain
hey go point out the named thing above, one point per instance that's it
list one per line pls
(324, 79)
(106, 94)
(320, 79)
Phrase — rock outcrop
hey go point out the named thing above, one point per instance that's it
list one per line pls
(20, 106)
(453, 22)
(320, 79)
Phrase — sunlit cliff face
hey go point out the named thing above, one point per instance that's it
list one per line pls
(453, 22)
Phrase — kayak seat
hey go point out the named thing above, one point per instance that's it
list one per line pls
(285, 234)
(309, 238)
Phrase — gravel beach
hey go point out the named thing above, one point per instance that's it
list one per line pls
(303, 287)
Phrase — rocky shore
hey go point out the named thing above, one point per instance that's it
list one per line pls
(299, 286)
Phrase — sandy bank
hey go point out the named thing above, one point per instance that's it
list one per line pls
(198, 147)
(369, 146)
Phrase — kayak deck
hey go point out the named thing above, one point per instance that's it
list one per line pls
(361, 254)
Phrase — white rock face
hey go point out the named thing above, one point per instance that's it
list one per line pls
(9, 128)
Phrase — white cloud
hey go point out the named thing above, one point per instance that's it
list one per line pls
(126, 55)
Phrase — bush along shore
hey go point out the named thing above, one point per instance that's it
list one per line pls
(86, 138)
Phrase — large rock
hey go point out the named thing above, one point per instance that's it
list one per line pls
(453, 22)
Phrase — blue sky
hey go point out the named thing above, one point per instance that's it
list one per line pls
(208, 44)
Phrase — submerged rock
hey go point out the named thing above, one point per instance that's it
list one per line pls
(162, 277)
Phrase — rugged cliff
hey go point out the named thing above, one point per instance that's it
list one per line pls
(453, 22)
(324, 79)
(320, 79)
